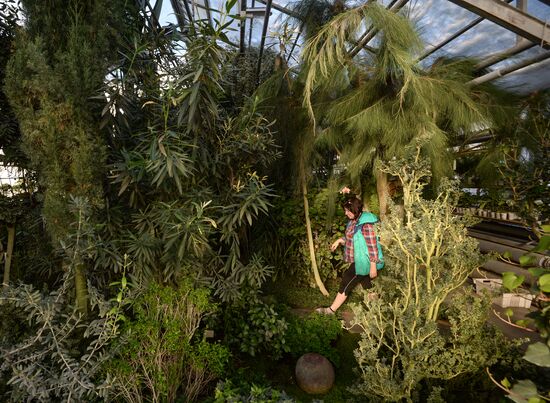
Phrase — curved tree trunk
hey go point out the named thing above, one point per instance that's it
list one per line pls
(9, 254)
(310, 243)
(81, 289)
(382, 189)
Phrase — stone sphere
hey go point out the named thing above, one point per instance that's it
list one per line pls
(314, 374)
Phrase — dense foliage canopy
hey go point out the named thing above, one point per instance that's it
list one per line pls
(171, 191)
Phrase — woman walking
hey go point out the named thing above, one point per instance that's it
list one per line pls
(360, 250)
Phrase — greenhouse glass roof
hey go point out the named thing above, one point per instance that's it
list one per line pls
(454, 28)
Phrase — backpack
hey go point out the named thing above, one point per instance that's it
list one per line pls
(360, 250)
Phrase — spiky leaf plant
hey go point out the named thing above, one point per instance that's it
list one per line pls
(191, 168)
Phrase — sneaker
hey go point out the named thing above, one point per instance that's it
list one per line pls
(325, 310)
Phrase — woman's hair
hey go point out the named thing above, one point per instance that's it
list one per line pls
(354, 205)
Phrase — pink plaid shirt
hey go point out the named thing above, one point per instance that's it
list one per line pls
(370, 238)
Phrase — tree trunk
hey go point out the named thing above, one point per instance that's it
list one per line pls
(310, 242)
(9, 254)
(81, 289)
(382, 189)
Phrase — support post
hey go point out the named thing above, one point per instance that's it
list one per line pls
(242, 24)
(262, 43)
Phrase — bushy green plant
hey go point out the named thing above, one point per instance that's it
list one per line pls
(515, 165)
(428, 259)
(255, 327)
(227, 392)
(313, 334)
(537, 353)
(189, 177)
(161, 353)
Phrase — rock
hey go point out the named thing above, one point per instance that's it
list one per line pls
(314, 374)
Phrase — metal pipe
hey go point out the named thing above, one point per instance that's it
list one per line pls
(514, 253)
(208, 13)
(262, 43)
(282, 9)
(508, 69)
(497, 239)
(497, 57)
(295, 42)
(513, 232)
(188, 10)
(501, 267)
(153, 22)
(176, 6)
(451, 38)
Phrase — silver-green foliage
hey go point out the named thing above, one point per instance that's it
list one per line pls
(428, 259)
(61, 357)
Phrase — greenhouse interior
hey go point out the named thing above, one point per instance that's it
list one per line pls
(275, 201)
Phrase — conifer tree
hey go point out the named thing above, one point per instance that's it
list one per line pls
(61, 59)
(372, 106)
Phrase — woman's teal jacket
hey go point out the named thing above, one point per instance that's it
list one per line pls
(360, 250)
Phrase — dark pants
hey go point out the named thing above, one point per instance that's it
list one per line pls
(350, 281)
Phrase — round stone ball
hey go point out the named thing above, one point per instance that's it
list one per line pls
(314, 374)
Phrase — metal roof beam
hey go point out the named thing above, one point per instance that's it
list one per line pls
(510, 18)
(208, 13)
(453, 37)
(178, 11)
(251, 25)
(282, 9)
